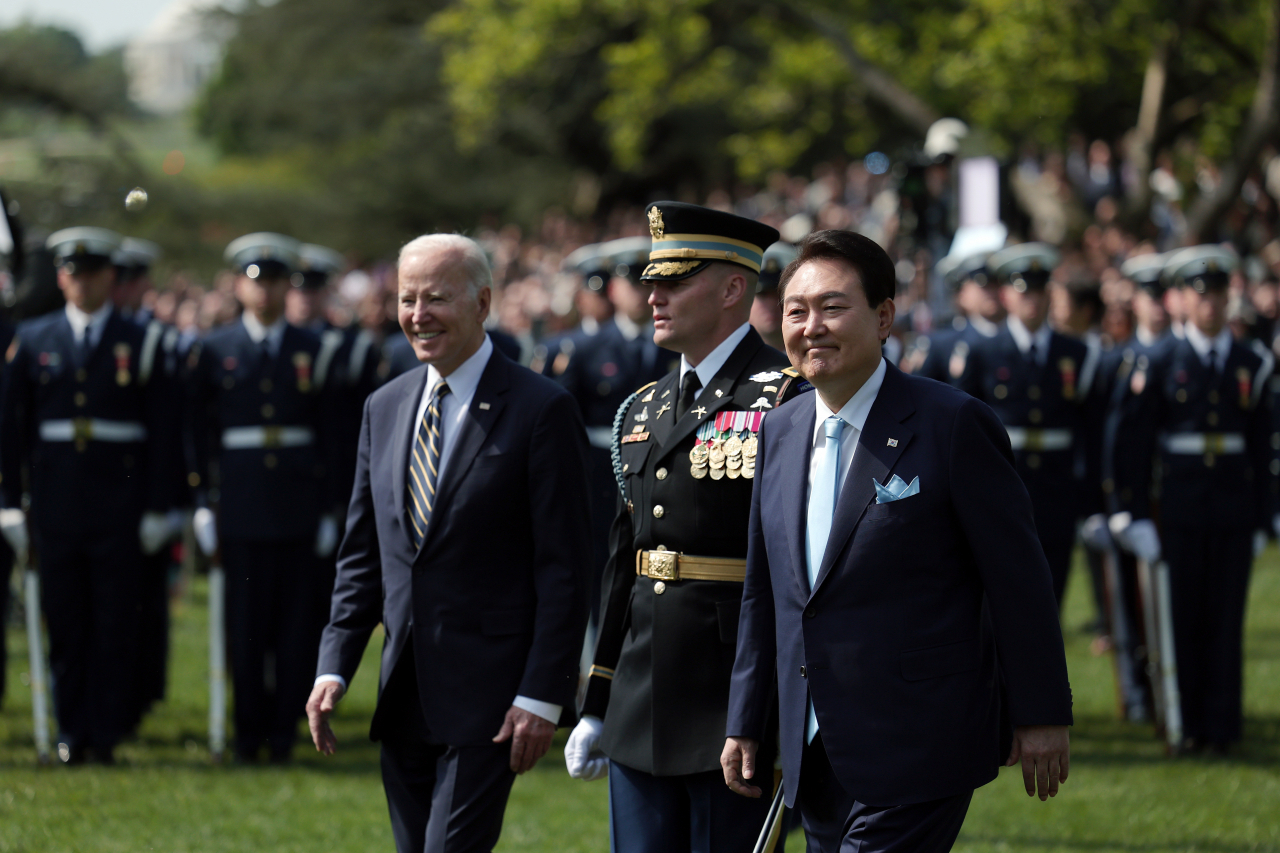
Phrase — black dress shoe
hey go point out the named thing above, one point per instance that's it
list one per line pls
(72, 755)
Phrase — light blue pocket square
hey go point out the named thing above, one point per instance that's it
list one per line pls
(896, 490)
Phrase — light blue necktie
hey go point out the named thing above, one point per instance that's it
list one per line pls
(822, 506)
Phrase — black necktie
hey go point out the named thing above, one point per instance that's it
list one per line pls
(1213, 359)
(1031, 353)
(689, 387)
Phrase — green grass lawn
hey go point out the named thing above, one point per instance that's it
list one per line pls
(1123, 794)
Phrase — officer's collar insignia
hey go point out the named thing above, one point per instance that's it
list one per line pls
(719, 393)
(766, 376)
(655, 224)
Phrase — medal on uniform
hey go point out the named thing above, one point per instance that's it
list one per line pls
(122, 364)
(1067, 367)
(302, 367)
(1244, 381)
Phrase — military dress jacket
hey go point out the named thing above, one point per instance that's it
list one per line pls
(1054, 419)
(1123, 368)
(1210, 433)
(97, 433)
(665, 651)
(264, 442)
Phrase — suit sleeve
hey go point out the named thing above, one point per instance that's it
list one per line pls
(560, 507)
(615, 611)
(754, 666)
(356, 607)
(994, 511)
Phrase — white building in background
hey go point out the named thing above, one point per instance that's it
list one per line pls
(174, 56)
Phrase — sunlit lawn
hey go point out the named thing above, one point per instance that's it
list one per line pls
(165, 795)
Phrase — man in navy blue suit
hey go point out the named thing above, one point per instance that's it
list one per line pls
(887, 521)
(467, 538)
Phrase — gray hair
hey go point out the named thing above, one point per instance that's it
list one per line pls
(473, 262)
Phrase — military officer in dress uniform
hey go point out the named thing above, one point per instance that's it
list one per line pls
(1040, 384)
(684, 456)
(264, 423)
(10, 271)
(133, 261)
(766, 310)
(943, 354)
(1203, 417)
(88, 424)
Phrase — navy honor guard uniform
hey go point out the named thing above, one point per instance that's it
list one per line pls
(1203, 417)
(263, 423)
(1040, 385)
(684, 455)
(97, 440)
(942, 354)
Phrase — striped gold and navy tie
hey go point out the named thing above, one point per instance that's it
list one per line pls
(424, 466)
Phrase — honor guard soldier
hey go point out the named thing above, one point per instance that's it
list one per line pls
(552, 354)
(1202, 417)
(133, 262)
(1040, 384)
(684, 455)
(97, 440)
(943, 354)
(264, 424)
(10, 271)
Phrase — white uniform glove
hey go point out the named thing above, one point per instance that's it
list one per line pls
(1095, 533)
(13, 526)
(582, 752)
(326, 536)
(205, 527)
(154, 531)
(1138, 537)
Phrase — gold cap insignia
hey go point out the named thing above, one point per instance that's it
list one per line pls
(670, 267)
(655, 223)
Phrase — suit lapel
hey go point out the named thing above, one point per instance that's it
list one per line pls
(873, 460)
(795, 450)
(403, 434)
(472, 431)
(725, 380)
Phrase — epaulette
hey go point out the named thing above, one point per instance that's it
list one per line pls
(615, 444)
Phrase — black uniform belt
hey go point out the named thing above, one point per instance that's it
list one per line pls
(671, 566)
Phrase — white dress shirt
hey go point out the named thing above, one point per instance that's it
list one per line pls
(1219, 343)
(710, 366)
(83, 322)
(1024, 337)
(854, 414)
(462, 382)
(272, 334)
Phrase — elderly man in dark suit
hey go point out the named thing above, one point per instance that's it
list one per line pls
(887, 521)
(467, 539)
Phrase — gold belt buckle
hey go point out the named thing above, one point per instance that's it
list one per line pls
(82, 428)
(1035, 440)
(271, 436)
(1214, 442)
(662, 565)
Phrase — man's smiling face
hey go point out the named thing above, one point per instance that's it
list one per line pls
(442, 318)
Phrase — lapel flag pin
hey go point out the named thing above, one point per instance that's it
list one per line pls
(484, 407)
(893, 442)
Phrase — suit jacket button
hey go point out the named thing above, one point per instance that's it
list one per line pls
(809, 613)
(657, 511)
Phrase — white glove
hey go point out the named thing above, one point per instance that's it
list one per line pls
(326, 536)
(13, 526)
(582, 752)
(1095, 533)
(154, 531)
(205, 527)
(1259, 542)
(1138, 537)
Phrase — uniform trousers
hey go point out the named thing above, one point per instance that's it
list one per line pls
(89, 594)
(442, 798)
(1209, 584)
(696, 813)
(153, 634)
(275, 614)
(834, 822)
(6, 579)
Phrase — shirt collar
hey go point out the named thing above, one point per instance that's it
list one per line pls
(854, 413)
(984, 327)
(1023, 337)
(466, 377)
(710, 366)
(82, 320)
(1202, 344)
(258, 332)
(1144, 336)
